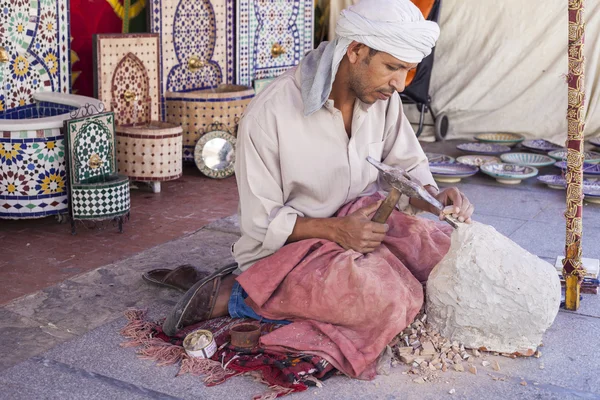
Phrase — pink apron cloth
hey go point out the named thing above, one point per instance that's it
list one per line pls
(346, 306)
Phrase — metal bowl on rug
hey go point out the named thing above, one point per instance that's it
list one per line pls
(532, 160)
(595, 142)
(540, 145)
(507, 139)
(478, 161)
(590, 171)
(509, 174)
(483, 148)
(451, 172)
(436, 157)
(591, 192)
(553, 181)
(590, 157)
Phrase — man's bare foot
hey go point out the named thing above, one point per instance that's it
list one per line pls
(221, 306)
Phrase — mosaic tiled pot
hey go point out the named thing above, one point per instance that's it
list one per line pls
(150, 153)
(33, 181)
(97, 192)
(272, 36)
(196, 111)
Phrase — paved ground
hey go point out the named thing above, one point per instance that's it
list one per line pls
(63, 343)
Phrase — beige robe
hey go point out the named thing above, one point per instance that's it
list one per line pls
(290, 165)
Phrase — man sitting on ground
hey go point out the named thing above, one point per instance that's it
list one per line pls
(309, 252)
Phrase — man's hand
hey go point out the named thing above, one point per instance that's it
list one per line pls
(456, 204)
(356, 231)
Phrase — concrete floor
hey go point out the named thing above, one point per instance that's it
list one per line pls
(63, 343)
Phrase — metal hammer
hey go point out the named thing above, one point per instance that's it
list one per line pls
(402, 183)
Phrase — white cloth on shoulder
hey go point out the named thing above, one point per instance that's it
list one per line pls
(396, 27)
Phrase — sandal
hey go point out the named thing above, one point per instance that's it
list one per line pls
(198, 303)
(181, 278)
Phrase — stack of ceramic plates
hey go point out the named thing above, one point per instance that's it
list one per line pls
(436, 157)
(553, 181)
(532, 160)
(510, 174)
(540, 145)
(483, 148)
(590, 171)
(477, 161)
(451, 172)
(595, 141)
(507, 139)
(591, 157)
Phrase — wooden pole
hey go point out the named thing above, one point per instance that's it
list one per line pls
(573, 270)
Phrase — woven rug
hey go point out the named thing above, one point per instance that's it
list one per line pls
(282, 373)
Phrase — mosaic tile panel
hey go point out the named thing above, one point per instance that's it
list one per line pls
(151, 152)
(91, 152)
(128, 63)
(262, 24)
(199, 29)
(196, 111)
(32, 174)
(35, 34)
(101, 200)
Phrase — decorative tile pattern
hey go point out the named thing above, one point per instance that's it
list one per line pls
(196, 111)
(129, 62)
(91, 148)
(203, 29)
(101, 200)
(264, 23)
(97, 192)
(151, 152)
(36, 36)
(32, 174)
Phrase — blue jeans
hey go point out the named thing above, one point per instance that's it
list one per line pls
(239, 309)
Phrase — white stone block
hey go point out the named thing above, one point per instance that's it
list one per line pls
(488, 292)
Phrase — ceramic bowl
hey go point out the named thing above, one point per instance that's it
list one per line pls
(553, 181)
(590, 171)
(436, 157)
(507, 139)
(533, 160)
(477, 161)
(595, 141)
(591, 157)
(540, 145)
(509, 174)
(451, 172)
(591, 192)
(483, 148)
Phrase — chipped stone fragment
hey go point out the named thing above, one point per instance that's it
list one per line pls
(459, 368)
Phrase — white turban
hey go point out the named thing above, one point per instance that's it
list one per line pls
(396, 27)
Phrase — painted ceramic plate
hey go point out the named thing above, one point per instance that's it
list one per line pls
(595, 141)
(553, 181)
(591, 191)
(509, 173)
(540, 145)
(591, 157)
(589, 170)
(436, 157)
(478, 161)
(483, 148)
(533, 160)
(508, 139)
(451, 172)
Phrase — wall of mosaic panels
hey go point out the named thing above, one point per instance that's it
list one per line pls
(263, 24)
(35, 34)
(201, 29)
